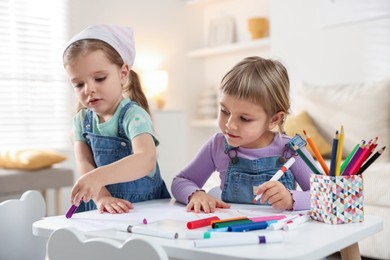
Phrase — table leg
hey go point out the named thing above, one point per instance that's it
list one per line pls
(44, 195)
(351, 252)
(58, 202)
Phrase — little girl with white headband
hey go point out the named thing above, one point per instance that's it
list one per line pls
(114, 140)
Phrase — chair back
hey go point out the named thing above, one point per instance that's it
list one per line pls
(69, 243)
(16, 219)
(216, 192)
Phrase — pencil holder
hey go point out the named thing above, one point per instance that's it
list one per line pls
(336, 200)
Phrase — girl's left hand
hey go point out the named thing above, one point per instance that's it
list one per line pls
(276, 194)
(113, 205)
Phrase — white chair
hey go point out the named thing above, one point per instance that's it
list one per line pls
(70, 243)
(216, 192)
(16, 218)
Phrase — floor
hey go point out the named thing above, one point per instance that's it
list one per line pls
(337, 256)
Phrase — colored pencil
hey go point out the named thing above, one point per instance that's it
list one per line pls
(317, 153)
(356, 166)
(339, 153)
(332, 171)
(371, 160)
(354, 159)
(306, 160)
(348, 159)
(372, 145)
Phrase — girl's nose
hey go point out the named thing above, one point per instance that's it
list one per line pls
(89, 89)
(230, 124)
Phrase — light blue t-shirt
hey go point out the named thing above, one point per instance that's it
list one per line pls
(136, 121)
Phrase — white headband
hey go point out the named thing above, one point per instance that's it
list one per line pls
(120, 38)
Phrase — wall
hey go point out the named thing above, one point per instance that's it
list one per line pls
(341, 53)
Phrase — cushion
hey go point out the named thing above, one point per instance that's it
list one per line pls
(363, 108)
(29, 159)
(296, 123)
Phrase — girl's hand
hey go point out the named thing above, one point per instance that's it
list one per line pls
(200, 200)
(87, 187)
(113, 205)
(276, 194)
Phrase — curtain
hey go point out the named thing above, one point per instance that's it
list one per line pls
(35, 97)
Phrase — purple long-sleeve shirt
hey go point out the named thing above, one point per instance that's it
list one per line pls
(211, 158)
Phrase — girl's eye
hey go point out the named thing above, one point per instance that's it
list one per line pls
(246, 119)
(78, 85)
(224, 112)
(101, 79)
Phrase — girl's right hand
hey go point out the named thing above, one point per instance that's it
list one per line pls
(200, 200)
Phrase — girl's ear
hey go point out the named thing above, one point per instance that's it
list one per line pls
(124, 73)
(276, 119)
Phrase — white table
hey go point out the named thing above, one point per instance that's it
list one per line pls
(312, 240)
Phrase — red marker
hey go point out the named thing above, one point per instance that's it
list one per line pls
(201, 222)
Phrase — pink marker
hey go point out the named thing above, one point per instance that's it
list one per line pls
(268, 218)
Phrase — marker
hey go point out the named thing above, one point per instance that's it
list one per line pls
(278, 174)
(201, 222)
(212, 235)
(279, 225)
(152, 232)
(296, 222)
(221, 229)
(71, 211)
(250, 226)
(268, 218)
(229, 221)
(233, 241)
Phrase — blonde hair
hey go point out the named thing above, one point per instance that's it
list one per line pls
(260, 81)
(131, 89)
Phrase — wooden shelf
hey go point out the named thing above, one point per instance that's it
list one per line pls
(234, 47)
(204, 123)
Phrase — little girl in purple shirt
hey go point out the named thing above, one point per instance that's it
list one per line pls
(247, 153)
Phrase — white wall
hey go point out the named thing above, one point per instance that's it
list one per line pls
(342, 53)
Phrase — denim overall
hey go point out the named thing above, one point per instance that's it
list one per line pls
(243, 175)
(109, 149)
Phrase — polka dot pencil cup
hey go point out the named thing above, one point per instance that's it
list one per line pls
(336, 200)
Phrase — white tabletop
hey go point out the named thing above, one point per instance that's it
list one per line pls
(311, 240)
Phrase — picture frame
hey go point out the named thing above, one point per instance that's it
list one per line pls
(221, 31)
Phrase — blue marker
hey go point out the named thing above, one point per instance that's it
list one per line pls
(250, 226)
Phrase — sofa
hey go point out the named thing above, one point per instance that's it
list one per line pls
(364, 111)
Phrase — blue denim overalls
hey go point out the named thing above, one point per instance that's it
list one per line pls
(108, 149)
(243, 175)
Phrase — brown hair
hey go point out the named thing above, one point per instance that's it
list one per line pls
(261, 81)
(131, 89)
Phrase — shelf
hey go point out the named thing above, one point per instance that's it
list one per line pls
(204, 123)
(234, 47)
(202, 2)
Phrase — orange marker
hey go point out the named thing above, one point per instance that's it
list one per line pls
(227, 220)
